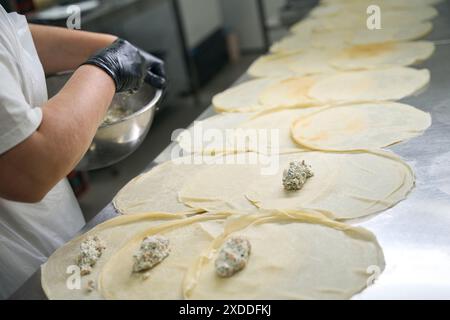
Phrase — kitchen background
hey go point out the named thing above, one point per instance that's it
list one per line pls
(206, 44)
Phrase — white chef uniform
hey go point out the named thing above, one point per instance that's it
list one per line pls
(29, 233)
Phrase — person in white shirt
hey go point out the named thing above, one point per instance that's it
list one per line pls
(41, 140)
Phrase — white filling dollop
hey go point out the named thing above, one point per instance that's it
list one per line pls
(296, 176)
(153, 250)
(232, 257)
(91, 250)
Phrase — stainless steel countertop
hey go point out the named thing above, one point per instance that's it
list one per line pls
(415, 234)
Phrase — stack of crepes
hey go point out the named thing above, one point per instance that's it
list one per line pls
(324, 95)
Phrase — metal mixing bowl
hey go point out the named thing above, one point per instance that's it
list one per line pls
(116, 141)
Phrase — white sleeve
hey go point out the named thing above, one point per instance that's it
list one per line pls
(18, 120)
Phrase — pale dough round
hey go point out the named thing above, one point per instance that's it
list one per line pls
(290, 93)
(398, 22)
(372, 85)
(114, 233)
(384, 55)
(296, 257)
(344, 186)
(310, 62)
(306, 45)
(213, 135)
(272, 65)
(271, 127)
(279, 120)
(395, 26)
(243, 97)
(392, 34)
(156, 190)
(403, 16)
(185, 272)
(188, 238)
(290, 44)
(397, 3)
(388, 10)
(360, 126)
(313, 62)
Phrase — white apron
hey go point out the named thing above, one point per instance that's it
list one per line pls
(29, 233)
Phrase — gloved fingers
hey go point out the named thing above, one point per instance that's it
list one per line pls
(149, 57)
(158, 69)
(155, 80)
(124, 63)
(156, 64)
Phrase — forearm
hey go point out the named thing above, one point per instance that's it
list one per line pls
(61, 49)
(70, 120)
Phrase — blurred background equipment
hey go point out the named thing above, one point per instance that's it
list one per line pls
(20, 6)
(6, 4)
(295, 10)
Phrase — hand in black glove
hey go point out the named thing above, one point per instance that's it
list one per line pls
(128, 66)
(156, 75)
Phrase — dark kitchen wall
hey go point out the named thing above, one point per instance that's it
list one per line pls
(6, 5)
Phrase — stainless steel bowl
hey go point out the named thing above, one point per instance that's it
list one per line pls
(116, 141)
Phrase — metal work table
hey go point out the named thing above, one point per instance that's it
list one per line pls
(415, 234)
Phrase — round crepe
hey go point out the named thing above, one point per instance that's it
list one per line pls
(397, 3)
(290, 93)
(299, 256)
(272, 65)
(188, 238)
(115, 233)
(279, 120)
(367, 86)
(309, 62)
(403, 16)
(308, 44)
(392, 34)
(360, 126)
(313, 62)
(243, 97)
(397, 23)
(383, 55)
(213, 135)
(155, 190)
(394, 27)
(344, 186)
(388, 9)
(272, 128)
(290, 44)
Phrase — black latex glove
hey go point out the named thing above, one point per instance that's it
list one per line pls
(128, 66)
(156, 75)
